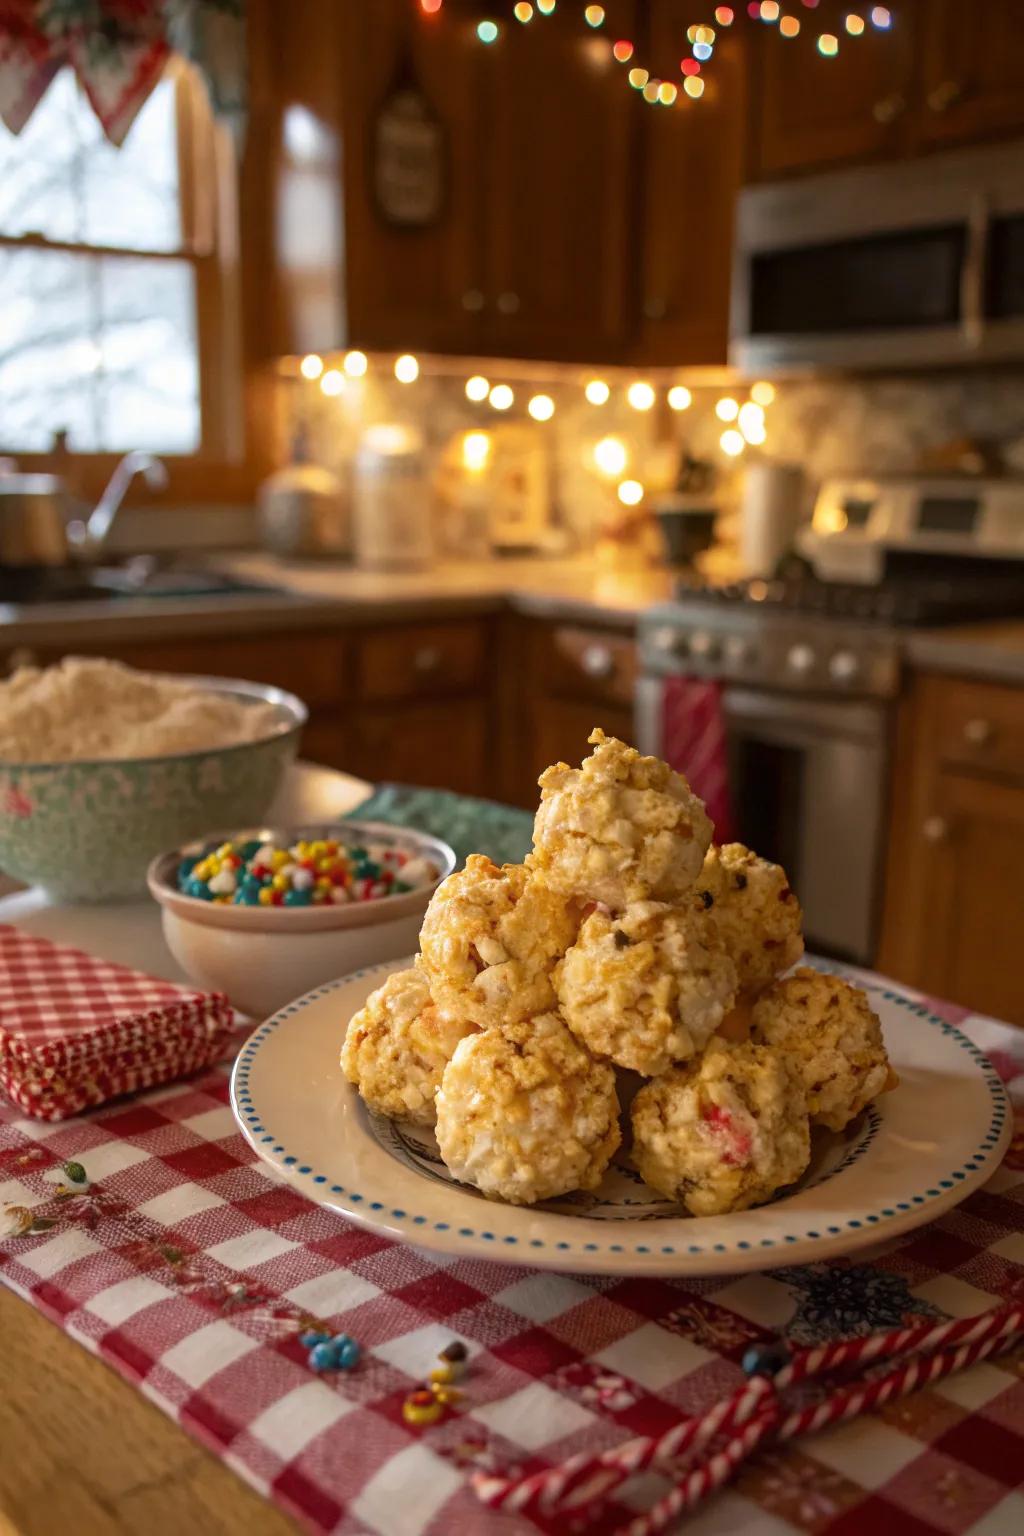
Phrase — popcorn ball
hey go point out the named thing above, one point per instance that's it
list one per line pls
(621, 828)
(757, 914)
(725, 1132)
(524, 1113)
(398, 1045)
(646, 988)
(489, 940)
(828, 1030)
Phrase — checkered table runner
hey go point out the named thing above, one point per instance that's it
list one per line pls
(192, 1270)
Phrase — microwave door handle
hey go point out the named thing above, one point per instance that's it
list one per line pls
(974, 271)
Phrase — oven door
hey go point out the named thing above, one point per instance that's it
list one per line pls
(808, 785)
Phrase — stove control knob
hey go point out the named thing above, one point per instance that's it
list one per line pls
(737, 649)
(844, 666)
(703, 646)
(801, 658)
(669, 641)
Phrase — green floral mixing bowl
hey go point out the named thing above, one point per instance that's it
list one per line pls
(87, 831)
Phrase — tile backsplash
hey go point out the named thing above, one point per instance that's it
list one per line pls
(826, 426)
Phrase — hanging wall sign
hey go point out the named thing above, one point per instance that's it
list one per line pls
(409, 167)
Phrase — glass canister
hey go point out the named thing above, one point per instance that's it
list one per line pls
(391, 514)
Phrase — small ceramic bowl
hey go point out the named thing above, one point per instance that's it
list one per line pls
(263, 957)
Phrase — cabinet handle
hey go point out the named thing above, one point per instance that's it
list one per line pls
(945, 96)
(936, 829)
(597, 661)
(889, 108)
(978, 732)
(508, 303)
(21, 656)
(426, 659)
(655, 309)
(473, 301)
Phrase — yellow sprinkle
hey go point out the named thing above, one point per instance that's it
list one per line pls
(279, 858)
(266, 896)
(323, 883)
(325, 865)
(224, 850)
(280, 883)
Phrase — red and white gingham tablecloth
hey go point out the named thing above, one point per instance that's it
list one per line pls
(191, 1269)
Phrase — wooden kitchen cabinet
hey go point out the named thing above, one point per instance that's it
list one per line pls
(972, 83)
(954, 903)
(693, 160)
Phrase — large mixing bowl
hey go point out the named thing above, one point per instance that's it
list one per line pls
(87, 831)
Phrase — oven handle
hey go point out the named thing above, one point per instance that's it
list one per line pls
(800, 719)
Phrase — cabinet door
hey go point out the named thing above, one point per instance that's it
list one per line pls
(412, 288)
(973, 72)
(693, 157)
(971, 845)
(442, 746)
(813, 112)
(559, 729)
(560, 197)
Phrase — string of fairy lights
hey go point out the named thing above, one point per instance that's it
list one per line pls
(742, 413)
(700, 37)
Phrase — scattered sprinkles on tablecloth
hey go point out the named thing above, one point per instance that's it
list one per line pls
(316, 872)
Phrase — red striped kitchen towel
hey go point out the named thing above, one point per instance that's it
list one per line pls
(76, 1031)
(693, 742)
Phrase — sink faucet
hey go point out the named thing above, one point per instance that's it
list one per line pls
(89, 537)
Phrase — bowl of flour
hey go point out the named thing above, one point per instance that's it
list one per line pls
(102, 767)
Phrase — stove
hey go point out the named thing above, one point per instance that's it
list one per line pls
(907, 602)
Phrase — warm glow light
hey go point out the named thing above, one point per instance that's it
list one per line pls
(693, 85)
(597, 392)
(476, 450)
(731, 442)
(881, 18)
(828, 45)
(689, 67)
(770, 10)
(611, 456)
(724, 15)
(501, 397)
(667, 93)
(354, 364)
(487, 31)
(751, 422)
(430, 6)
(541, 407)
(854, 25)
(651, 89)
(789, 26)
(640, 395)
(702, 51)
(594, 15)
(407, 369)
(679, 397)
(477, 388)
(332, 382)
(705, 35)
(762, 392)
(727, 409)
(638, 78)
(631, 493)
(622, 51)
(311, 366)
(523, 11)
(546, 6)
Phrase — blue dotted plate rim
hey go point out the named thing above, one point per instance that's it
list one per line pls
(268, 1146)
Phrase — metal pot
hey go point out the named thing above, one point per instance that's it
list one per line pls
(34, 515)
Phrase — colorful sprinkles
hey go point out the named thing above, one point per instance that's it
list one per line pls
(318, 872)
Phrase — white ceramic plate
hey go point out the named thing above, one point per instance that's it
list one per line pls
(918, 1152)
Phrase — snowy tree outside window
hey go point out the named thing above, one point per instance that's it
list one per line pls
(98, 327)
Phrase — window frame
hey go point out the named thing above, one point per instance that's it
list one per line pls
(208, 191)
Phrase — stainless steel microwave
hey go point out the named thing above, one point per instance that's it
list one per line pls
(908, 265)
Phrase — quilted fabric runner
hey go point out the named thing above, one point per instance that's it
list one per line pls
(151, 1234)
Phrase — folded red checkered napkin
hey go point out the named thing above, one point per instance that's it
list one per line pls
(76, 1031)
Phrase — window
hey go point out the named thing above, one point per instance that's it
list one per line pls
(109, 268)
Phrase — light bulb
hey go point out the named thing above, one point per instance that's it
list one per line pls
(828, 45)
(638, 78)
(501, 397)
(430, 6)
(630, 493)
(881, 18)
(407, 369)
(732, 443)
(789, 26)
(332, 382)
(476, 450)
(523, 11)
(727, 409)
(546, 6)
(750, 415)
(679, 397)
(854, 25)
(487, 31)
(693, 85)
(477, 388)
(597, 392)
(640, 395)
(594, 15)
(622, 51)
(541, 407)
(762, 392)
(667, 93)
(611, 456)
(311, 366)
(354, 364)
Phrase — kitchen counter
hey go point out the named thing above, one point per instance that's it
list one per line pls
(316, 595)
(993, 652)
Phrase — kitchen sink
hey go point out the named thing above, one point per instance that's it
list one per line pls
(133, 580)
